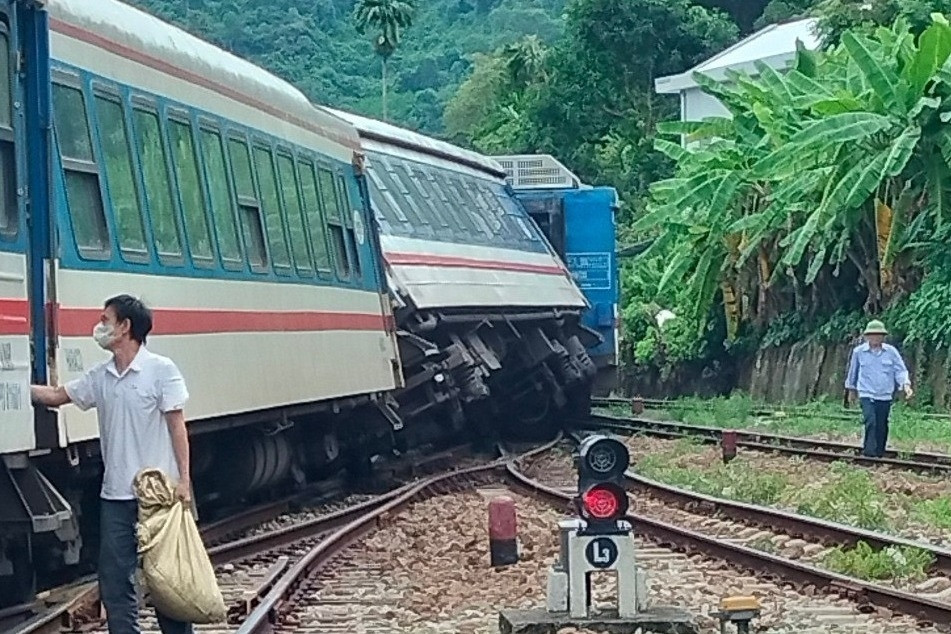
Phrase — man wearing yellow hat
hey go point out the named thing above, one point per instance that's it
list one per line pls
(876, 370)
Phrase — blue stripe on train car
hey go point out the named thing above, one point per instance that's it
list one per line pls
(580, 225)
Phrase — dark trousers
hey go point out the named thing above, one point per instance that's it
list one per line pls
(875, 415)
(118, 561)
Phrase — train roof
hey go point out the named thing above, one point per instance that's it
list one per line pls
(135, 33)
(388, 134)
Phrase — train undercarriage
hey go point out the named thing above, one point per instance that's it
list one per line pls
(476, 376)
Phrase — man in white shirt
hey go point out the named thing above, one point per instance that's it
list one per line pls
(139, 398)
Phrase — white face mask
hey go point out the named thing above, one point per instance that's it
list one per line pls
(104, 334)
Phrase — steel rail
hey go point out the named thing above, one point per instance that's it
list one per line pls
(824, 450)
(265, 614)
(761, 562)
(662, 403)
(794, 524)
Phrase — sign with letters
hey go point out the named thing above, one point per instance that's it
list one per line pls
(601, 552)
(591, 271)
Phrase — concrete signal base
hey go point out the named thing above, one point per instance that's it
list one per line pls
(660, 619)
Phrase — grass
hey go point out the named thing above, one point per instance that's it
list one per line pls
(849, 496)
(900, 563)
(733, 481)
(908, 426)
(936, 512)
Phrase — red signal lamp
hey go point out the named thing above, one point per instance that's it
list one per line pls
(604, 502)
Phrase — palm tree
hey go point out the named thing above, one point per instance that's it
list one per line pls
(387, 17)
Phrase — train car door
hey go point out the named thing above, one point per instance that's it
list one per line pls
(16, 414)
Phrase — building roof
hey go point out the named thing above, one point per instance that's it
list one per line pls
(774, 45)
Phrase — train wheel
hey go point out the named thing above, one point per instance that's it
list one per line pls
(19, 587)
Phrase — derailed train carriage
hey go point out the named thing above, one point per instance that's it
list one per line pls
(489, 319)
(311, 330)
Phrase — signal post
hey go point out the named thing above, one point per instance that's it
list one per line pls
(598, 539)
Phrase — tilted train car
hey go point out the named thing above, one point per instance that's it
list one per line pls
(579, 221)
(221, 196)
(486, 306)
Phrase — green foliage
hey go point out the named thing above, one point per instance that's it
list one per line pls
(901, 563)
(316, 46)
(936, 512)
(388, 18)
(837, 16)
(830, 174)
(851, 497)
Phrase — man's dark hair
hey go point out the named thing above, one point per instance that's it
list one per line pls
(128, 307)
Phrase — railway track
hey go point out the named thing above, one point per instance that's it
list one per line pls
(735, 532)
(270, 578)
(793, 410)
(928, 462)
(75, 606)
(286, 589)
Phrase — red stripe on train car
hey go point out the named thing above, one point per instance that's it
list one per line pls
(76, 322)
(79, 33)
(452, 261)
(14, 317)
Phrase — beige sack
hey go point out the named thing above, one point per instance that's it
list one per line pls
(176, 567)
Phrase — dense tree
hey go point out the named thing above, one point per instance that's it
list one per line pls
(315, 45)
(839, 15)
(387, 18)
(833, 173)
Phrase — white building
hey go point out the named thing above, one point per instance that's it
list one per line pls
(774, 45)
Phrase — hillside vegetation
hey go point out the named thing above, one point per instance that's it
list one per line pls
(314, 45)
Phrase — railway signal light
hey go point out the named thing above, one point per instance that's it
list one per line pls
(602, 497)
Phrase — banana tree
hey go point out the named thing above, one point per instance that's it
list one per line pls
(840, 161)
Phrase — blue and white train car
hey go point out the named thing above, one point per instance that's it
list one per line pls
(485, 304)
(215, 191)
(579, 221)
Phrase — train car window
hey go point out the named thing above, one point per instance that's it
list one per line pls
(249, 209)
(158, 185)
(344, 194)
(506, 213)
(419, 218)
(315, 220)
(273, 222)
(9, 208)
(83, 196)
(6, 86)
(72, 127)
(216, 176)
(114, 138)
(384, 200)
(295, 215)
(472, 208)
(461, 224)
(328, 196)
(419, 193)
(184, 162)
(490, 213)
(479, 229)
